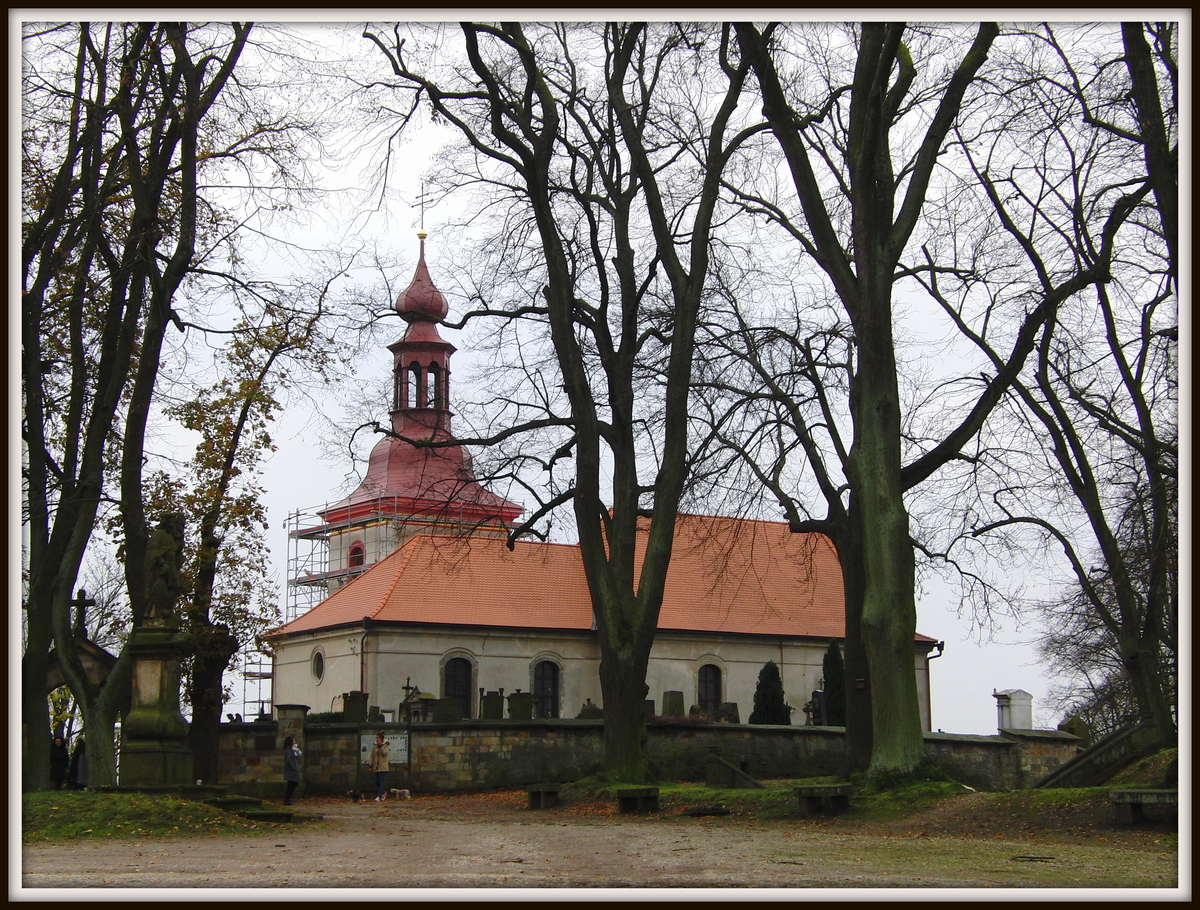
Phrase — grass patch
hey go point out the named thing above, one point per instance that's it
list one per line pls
(1145, 773)
(903, 800)
(73, 814)
(1038, 802)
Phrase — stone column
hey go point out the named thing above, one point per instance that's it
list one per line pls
(154, 750)
(291, 723)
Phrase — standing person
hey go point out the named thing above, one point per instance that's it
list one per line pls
(291, 767)
(59, 759)
(379, 765)
(77, 775)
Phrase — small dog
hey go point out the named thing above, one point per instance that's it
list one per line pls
(355, 795)
(399, 794)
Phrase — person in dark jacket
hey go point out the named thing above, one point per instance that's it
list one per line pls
(77, 774)
(291, 767)
(59, 759)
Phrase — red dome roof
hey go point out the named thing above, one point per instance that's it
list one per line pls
(421, 300)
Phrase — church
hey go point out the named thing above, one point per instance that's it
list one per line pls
(418, 590)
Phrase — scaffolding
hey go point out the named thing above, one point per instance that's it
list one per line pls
(306, 586)
(310, 580)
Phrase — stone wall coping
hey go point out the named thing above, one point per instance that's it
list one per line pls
(1041, 734)
(984, 738)
(756, 728)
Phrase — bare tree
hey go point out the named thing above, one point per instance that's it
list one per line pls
(601, 149)
(858, 237)
(1100, 400)
(130, 132)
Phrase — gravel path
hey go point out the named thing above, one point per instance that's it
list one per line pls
(461, 843)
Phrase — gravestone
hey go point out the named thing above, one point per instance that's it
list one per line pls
(447, 711)
(154, 750)
(649, 709)
(590, 711)
(520, 706)
(727, 713)
(491, 705)
(354, 707)
(1077, 726)
(673, 704)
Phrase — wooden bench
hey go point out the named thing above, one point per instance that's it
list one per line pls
(830, 798)
(638, 799)
(542, 796)
(1130, 803)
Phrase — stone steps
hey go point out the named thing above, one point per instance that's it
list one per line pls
(250, 808)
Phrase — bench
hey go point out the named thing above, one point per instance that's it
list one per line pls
(542, 796)
(638, 799)
(830, 798)
(1130, 803)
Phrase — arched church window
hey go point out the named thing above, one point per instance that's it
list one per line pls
(421, 398)
(358, 555)
(710, 690)
(545, 688)
(456, 682)
(435, 385)
(413, 383)
(399, 390)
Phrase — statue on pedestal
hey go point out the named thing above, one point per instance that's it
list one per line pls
(154, 750)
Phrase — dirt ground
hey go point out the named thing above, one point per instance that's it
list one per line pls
(491, 840)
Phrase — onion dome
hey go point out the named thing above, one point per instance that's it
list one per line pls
(421, 300)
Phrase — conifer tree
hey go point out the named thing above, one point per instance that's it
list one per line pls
(769, 706)
(835, 686)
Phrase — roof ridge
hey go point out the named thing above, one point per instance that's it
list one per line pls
(407, 552)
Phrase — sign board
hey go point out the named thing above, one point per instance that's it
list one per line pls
(397, 743)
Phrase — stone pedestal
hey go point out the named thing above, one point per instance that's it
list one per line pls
(154, 750)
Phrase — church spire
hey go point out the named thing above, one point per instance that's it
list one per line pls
(421, 300)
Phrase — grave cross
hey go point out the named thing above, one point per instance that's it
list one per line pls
(81, 603)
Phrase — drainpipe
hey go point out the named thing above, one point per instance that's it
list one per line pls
(362, 656)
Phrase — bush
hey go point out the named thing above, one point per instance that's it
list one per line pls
(769, 706)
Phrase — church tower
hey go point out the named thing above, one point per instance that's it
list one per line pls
(408, 488)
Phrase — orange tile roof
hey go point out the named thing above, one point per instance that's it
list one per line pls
(726, 576)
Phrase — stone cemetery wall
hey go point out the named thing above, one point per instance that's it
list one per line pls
(474, 754)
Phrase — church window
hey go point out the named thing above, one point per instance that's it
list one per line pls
(412, 382)
(435, 385)
(421, 393)
(545, 688)
(318, 666)
(710, 690)
(457, 682)
(358, 555)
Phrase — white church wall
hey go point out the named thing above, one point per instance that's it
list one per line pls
(295, 680)
(500, 661)
(676, 659)
(504, 659)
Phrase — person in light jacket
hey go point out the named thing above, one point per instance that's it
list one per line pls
(378, 763)
(291, 767)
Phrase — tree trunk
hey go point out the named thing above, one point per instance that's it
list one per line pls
(1141, 662)
(858, 699)
(35, 710)
(889, 612)
(623, 687)
(215, 645)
